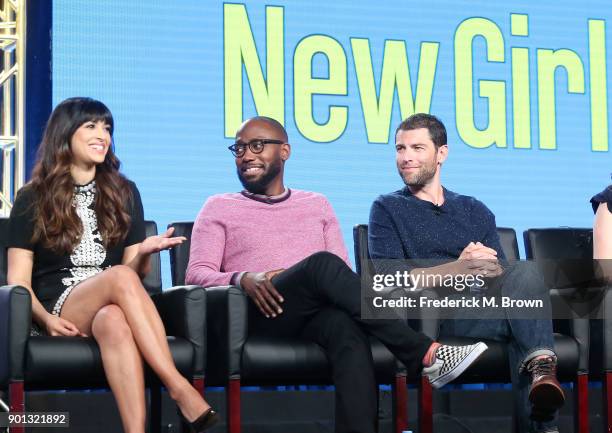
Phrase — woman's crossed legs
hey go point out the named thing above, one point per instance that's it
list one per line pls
(116, 310)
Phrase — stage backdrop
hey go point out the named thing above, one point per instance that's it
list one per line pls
(522, 88)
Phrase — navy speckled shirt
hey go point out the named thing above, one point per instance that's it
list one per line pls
(404, 227)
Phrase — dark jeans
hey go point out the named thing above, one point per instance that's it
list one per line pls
(526, 338)
(323, 304)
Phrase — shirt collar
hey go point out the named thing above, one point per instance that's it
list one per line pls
(448, 197)
(269, 199)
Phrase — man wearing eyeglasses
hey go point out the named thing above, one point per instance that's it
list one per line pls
(284, 248)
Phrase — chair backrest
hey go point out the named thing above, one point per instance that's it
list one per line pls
(3, 244)
(179, 255)
(507, 237)
(565, 255)
(360, 242)
(509, 243)
(558, 243)
(152, 281)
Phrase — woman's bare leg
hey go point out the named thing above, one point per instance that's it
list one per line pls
(121, 286)
(122, 365)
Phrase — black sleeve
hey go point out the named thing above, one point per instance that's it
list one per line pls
(603, 197)
(136, 234)
(21, 221)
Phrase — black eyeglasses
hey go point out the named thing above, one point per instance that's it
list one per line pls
(255, 146)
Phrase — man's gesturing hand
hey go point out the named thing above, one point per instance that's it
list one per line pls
(261, 290)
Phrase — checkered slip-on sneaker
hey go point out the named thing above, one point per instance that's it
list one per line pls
(451, 361)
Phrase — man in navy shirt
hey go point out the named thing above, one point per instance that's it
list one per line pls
(425, 221)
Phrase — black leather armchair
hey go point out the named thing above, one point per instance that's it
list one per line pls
(43, 362)
(566, 257)
(492, 366)
(427, 325)
(237, 357)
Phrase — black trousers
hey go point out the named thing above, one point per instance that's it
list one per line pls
(323, 304)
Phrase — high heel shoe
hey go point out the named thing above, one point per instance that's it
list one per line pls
(202, 423)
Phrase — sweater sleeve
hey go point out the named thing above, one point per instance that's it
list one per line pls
(384, 242)
(491, 238)
(334, 242)
(207, 249)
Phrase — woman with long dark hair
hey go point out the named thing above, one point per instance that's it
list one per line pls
(77, 243)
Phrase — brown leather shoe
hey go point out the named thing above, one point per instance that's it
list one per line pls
(545, 393)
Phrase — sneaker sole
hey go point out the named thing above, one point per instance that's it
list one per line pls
(478, 349)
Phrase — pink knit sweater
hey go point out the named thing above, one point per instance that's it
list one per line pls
(233, 233)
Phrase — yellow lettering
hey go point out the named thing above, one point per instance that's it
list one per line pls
(239, 49)
(599, 86)
(395, 75)
(548, 62)
(305, 87)
(494, 91)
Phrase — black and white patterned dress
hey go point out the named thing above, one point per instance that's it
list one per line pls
(53, 275)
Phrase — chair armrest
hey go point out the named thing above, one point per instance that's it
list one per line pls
(429, 320)
(183, 312)
(582, 333)
(579, 326)
(227, 326)
(421, 319)
(607, 328)
(15, 322)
